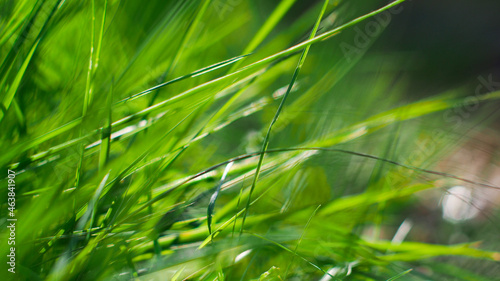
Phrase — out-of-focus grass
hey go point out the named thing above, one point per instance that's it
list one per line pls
(119, 118)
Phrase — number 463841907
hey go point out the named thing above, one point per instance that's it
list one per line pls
(11, 195)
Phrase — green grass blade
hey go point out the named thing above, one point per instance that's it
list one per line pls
(14, 86)
(400, 275)
(106, 134)
(268, 134)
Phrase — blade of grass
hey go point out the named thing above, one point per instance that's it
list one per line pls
(90, 70)
(291, 252)
(400, 275)
(14, 86)
(106, 133)
(300, 240)
(195, 73)
(213, 199)
(411, 251)
(266, 28)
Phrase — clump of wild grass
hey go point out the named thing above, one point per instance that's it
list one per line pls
(129, 125)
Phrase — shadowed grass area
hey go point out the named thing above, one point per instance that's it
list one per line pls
(225, 140)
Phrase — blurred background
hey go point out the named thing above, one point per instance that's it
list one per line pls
(446, 44)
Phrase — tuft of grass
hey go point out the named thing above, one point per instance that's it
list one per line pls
(143, 136)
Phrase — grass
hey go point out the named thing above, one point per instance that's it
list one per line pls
(177, 141)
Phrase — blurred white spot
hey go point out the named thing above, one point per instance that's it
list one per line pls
(333, 272)
(129, 129)
(142, 123)
(358, 133)
(402, 231)
(282, 91)
(242, 255)
(459, 205)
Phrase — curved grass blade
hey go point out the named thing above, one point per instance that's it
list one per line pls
(400, 275)
(153, 147)
(395, 115)
(89, 83)
(27, 26)
(266, 28)
(196, 73)
(21, 22)
(280, 108)
(90, 212)
(300, 239)
(106, 134)
(94, 59)
(291, 252)
(411, 251)
(254, 154)
(12, 90)
(211, 204)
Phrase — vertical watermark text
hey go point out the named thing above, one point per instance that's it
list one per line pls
(11, 220)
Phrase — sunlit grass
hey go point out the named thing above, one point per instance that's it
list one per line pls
(211, 140)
